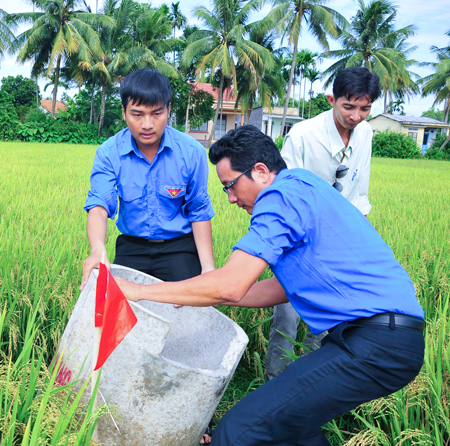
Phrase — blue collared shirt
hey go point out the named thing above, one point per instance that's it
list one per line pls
(329, 259)
(157, 200)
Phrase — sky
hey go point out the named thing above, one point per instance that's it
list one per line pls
(431, 18)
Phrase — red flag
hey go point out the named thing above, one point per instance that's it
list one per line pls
(100, 294)
(118, 320)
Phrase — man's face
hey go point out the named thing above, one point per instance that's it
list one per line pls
(146, 123)
(348, 113)
(245, 191)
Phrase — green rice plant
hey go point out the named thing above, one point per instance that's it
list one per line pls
(43, 243)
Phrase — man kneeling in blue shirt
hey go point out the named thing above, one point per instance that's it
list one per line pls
(337, 272)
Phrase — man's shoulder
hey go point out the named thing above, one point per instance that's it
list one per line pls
(310, 125)
(364, 127)
(183, 140)
(114, 143)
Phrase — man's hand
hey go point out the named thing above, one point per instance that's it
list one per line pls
(93, 261)
(129, 289)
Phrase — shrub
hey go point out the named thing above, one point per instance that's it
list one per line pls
(389, 144)
(59, 130)
(434, 151)
(279, 142)
(9, 122)
(36, 115)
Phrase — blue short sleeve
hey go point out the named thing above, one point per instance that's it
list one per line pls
(275, 228)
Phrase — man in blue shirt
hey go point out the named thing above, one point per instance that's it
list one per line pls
(337, 272)
(159, 177)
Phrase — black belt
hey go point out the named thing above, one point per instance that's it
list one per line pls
(145, 241)
(392, 320)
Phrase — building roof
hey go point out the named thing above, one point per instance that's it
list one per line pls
(46, 104)
(227, 92)
(413, 120)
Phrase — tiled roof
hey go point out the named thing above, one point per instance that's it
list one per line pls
(47, 104)
(227, 93)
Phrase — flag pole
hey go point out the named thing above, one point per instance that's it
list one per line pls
(95, 349)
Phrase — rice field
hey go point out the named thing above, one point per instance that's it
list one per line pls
(43, 243)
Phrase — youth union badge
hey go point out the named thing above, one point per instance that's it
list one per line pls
(173, 190)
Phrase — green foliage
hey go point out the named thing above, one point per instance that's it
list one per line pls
(279, 142)
(319, 104)
(200, 106)
(434, 151)
(59, 130)
(79, 108)
(9, 122)
(36, 115)
(434, 114)
(389, 144)
(21, 90)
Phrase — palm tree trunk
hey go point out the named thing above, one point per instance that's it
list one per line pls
(291, 76)
(102, 109)
(385, 101)
(186, 122)
(304, 96)
(55, 87)
(211, 136)
(91, 117)
(310, 102)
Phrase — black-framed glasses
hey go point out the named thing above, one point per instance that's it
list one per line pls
(341, 171)
(229, 185)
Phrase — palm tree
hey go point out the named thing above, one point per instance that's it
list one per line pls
(59, 31)
(7, 37)
(320, 20)
(438, 83)
(178, 20)
(223, 44)
(270, 83)
(150, 33)
(312, 74)
(305, 61)
(373, 42)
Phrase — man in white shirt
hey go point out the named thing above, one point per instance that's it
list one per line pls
(337, 146)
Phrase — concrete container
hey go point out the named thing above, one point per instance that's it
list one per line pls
(167, 376)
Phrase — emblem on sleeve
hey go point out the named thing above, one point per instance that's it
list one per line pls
(173, 190)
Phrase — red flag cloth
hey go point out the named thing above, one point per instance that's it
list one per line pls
(118, 320)
(100, 294)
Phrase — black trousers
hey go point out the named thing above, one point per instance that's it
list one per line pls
(355, 364)
(171, 260)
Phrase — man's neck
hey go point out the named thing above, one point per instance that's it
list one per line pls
(344, 133)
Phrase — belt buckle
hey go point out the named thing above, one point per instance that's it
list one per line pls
(156, 241)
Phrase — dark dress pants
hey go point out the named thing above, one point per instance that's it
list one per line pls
(355, 364)
(170, 260)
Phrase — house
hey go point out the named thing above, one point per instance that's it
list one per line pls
(423, 130)
(269, 122)
(46, 105)
(231, 117)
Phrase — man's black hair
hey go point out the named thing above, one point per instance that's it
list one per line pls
(356, 81)
(245, 147)
(145, 87)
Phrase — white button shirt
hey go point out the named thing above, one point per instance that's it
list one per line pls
(316, 145)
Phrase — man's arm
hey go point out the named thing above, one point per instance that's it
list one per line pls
(96, 231)
(292, 151)
(363, 200)
(203, 241)
(228, 285)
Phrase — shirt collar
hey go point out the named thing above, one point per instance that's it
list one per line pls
(129, 144)
(336, 144)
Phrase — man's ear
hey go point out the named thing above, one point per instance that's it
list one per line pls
(262, 172)
(331, 100)
(123, 114)
(168, 108)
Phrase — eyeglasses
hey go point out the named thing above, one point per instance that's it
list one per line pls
(229, 185)
(341, 171)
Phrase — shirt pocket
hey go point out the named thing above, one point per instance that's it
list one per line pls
(132, 203)
(171, 200)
